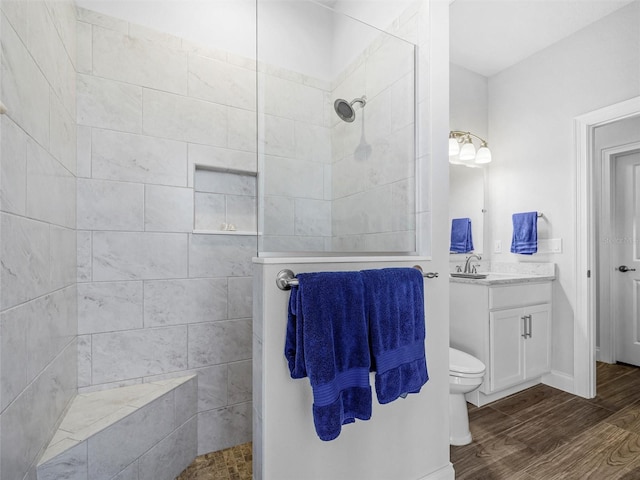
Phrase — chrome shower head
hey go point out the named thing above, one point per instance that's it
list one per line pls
(345, 109)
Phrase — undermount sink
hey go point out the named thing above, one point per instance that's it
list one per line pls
(469, 275)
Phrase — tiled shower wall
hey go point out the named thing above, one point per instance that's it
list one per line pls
(296, 153)
(336, 186)
(38, 319)
(373, 169)
(154, 299)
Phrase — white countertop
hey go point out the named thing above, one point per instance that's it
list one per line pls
(503, 279)
(502, 273)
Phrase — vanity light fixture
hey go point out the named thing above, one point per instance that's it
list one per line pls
(467, 153)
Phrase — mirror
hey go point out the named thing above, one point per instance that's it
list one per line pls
(468, 107)
(466, 200)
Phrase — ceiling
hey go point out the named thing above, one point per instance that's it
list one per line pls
(487, 36)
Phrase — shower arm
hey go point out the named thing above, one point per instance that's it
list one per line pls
(459, 136)
(362, 101)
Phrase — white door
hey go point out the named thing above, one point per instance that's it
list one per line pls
(625, 257)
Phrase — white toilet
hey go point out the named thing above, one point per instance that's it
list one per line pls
(466, 373)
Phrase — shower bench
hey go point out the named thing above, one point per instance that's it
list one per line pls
(145, 431)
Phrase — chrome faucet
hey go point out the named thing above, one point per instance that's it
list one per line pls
(466, 264)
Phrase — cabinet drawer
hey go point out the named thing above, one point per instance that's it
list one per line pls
(507, 296)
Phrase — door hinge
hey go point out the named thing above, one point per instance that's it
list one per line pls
(588, 273)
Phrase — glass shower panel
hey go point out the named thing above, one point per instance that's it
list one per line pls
(336, 133)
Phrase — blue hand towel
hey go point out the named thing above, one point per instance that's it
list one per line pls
(327, 340)
(525, 233)
(395, 303)
(461, 240)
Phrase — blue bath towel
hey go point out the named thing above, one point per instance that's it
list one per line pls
(327, 340)
(461, 240)
(395, 303)
(525, 233)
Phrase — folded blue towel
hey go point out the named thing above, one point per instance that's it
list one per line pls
(461, 240)
(525, 233)
(327, 340)
(395, 303)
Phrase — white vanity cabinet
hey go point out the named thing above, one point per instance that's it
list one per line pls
(518, 345)
(508, 327)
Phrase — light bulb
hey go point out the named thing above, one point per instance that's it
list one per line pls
(468, 151)
(483, 155)
(454, 147)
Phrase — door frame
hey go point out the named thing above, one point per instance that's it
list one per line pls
(608, 327)
(584, 351)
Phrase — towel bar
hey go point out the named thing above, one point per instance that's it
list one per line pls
(285, 279)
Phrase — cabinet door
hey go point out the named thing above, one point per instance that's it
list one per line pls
(506, 367)
(537, 346)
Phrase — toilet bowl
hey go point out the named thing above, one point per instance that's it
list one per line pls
(466, 373)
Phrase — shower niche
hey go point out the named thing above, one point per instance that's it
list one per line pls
(336, 111)
(224, 202)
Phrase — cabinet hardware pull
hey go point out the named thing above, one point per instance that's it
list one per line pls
(526, 324)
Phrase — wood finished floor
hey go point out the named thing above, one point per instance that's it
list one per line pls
(546, 434)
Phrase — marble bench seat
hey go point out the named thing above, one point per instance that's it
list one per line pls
(139, 432)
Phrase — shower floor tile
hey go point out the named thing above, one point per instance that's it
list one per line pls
(233, 463)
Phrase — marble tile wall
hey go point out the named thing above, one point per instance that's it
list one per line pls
(373, 169)
(336, 186)
(156, 300)
(38, 312)
(295, 151)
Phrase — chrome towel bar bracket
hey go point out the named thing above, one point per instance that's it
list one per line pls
(286, 279)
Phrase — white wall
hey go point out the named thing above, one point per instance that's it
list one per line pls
(531, 108)
(405, 440)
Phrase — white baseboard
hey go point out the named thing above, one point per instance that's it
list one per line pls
(444, 473)
(560, 380)
(604, 356)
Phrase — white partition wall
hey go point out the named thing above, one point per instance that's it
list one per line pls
(405, 439)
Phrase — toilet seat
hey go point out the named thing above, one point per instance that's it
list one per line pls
(466, 375)
(462, 364)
